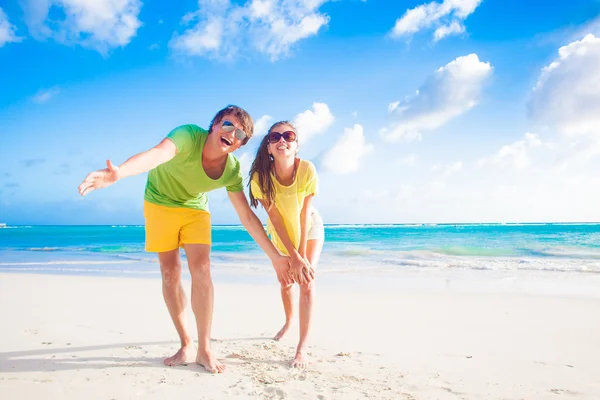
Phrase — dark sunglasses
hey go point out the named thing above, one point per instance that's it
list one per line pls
(228, 127)
(288, 136)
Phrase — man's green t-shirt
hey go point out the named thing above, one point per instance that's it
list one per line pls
(181, 181)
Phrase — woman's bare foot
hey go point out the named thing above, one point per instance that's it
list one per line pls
(282, 331)
(209, 362)
(185, 355)
(301, 360)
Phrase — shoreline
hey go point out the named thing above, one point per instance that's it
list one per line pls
(535, 283)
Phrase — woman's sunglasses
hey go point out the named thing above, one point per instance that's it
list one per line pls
(288, 136)
(228, 127)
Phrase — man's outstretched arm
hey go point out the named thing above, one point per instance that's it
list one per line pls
(137, 164)
(255, 228)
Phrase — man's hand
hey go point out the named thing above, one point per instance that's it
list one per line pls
(99, 179)
(282, 269)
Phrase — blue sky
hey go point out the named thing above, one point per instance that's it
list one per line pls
(447, 111)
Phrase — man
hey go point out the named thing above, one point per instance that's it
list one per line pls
(183, 167)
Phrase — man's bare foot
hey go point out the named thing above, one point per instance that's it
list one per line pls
(301, 360)
(185, 355)
(282, 332)
(209, 362)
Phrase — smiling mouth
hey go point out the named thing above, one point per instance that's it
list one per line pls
(226, 141)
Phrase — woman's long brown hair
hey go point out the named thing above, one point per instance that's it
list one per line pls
(262, 166)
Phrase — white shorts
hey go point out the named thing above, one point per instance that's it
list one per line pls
(317, 230)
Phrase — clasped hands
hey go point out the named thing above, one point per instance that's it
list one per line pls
(294, 269)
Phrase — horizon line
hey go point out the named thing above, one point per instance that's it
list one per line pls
(349, 223)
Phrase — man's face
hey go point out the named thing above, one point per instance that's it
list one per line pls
(228, 133)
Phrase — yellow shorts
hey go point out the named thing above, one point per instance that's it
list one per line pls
(168, 228)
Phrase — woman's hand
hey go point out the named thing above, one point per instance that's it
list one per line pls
(301, 270)
(309, 274)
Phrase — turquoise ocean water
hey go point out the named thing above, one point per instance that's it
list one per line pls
(119, 250)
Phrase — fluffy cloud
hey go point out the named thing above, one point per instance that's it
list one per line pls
(262, 125)
(404, 192)
(7, 30)
(44, 95)
(246, 160)
(452, 90)
(96, 24)
(567, 94)
(313, 122)
(346, 155)
(309, 123)
(270, 27)
(515, 155)
(437, 186)
(446, 17)
(446, 170)
(409, 160)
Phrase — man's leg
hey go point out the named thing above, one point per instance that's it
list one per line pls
(174, 295)
(198, 256)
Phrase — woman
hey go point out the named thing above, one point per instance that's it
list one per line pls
(285, 186)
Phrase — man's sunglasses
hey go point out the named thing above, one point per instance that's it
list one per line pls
(288, 136)
(228, 127)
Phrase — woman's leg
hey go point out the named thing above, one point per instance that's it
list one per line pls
(287, 296)
(307, 295)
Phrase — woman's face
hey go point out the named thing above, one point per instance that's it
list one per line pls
(283, 142)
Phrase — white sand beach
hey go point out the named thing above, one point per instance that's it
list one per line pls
(76, 337)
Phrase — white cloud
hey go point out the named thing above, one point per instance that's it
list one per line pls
(572, 34)
(447, 30)
(200, 40)
(577, 151)
(44, 95)
(410, 160)
(96, 24)
(313, 122)
(452, 90)
(271, 27)
(447, 17)
(515, 155)
(346, 155)
(7, 30)
(377, 195)
(404, 192)
(262, 125)
(449, 169)
(246, 160)
(567, 94)
(437, 186)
